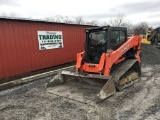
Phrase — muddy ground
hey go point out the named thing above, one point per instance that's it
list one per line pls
(141, 101)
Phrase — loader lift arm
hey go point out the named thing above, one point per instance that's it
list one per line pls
(116, 56)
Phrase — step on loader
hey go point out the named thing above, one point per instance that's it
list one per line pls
(110, 62)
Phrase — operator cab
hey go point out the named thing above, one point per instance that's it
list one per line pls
(100, 39)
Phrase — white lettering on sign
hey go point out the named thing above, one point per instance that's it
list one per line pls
(125, 48)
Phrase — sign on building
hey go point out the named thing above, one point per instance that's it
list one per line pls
(50, 39)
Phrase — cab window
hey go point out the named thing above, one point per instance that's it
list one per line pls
(117, 38)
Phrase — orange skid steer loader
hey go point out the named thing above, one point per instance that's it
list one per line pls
(109, 59)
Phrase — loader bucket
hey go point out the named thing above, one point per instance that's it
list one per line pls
(82, 87)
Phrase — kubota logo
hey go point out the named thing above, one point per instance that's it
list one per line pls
(125, 48)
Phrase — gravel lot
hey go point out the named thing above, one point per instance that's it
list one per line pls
(141, 101)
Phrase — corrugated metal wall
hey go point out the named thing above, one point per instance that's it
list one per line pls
(19, 50)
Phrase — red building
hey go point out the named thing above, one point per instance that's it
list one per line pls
(19, 45)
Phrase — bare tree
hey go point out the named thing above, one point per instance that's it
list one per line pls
(117, 21)
(49, 19)
(3, 14)
(30, 17)
(79, 20)
(94, 22)
(58, 18)
(141, 28)
(12, 15)
(129, 27)
(103, 23)
(67, 20)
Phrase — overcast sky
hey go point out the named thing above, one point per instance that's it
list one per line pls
(101, 10)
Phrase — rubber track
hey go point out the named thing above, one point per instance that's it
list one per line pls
(121, 70)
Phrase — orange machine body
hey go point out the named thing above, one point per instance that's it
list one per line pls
(110, 58)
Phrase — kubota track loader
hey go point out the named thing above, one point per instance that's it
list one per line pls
(109, 58)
